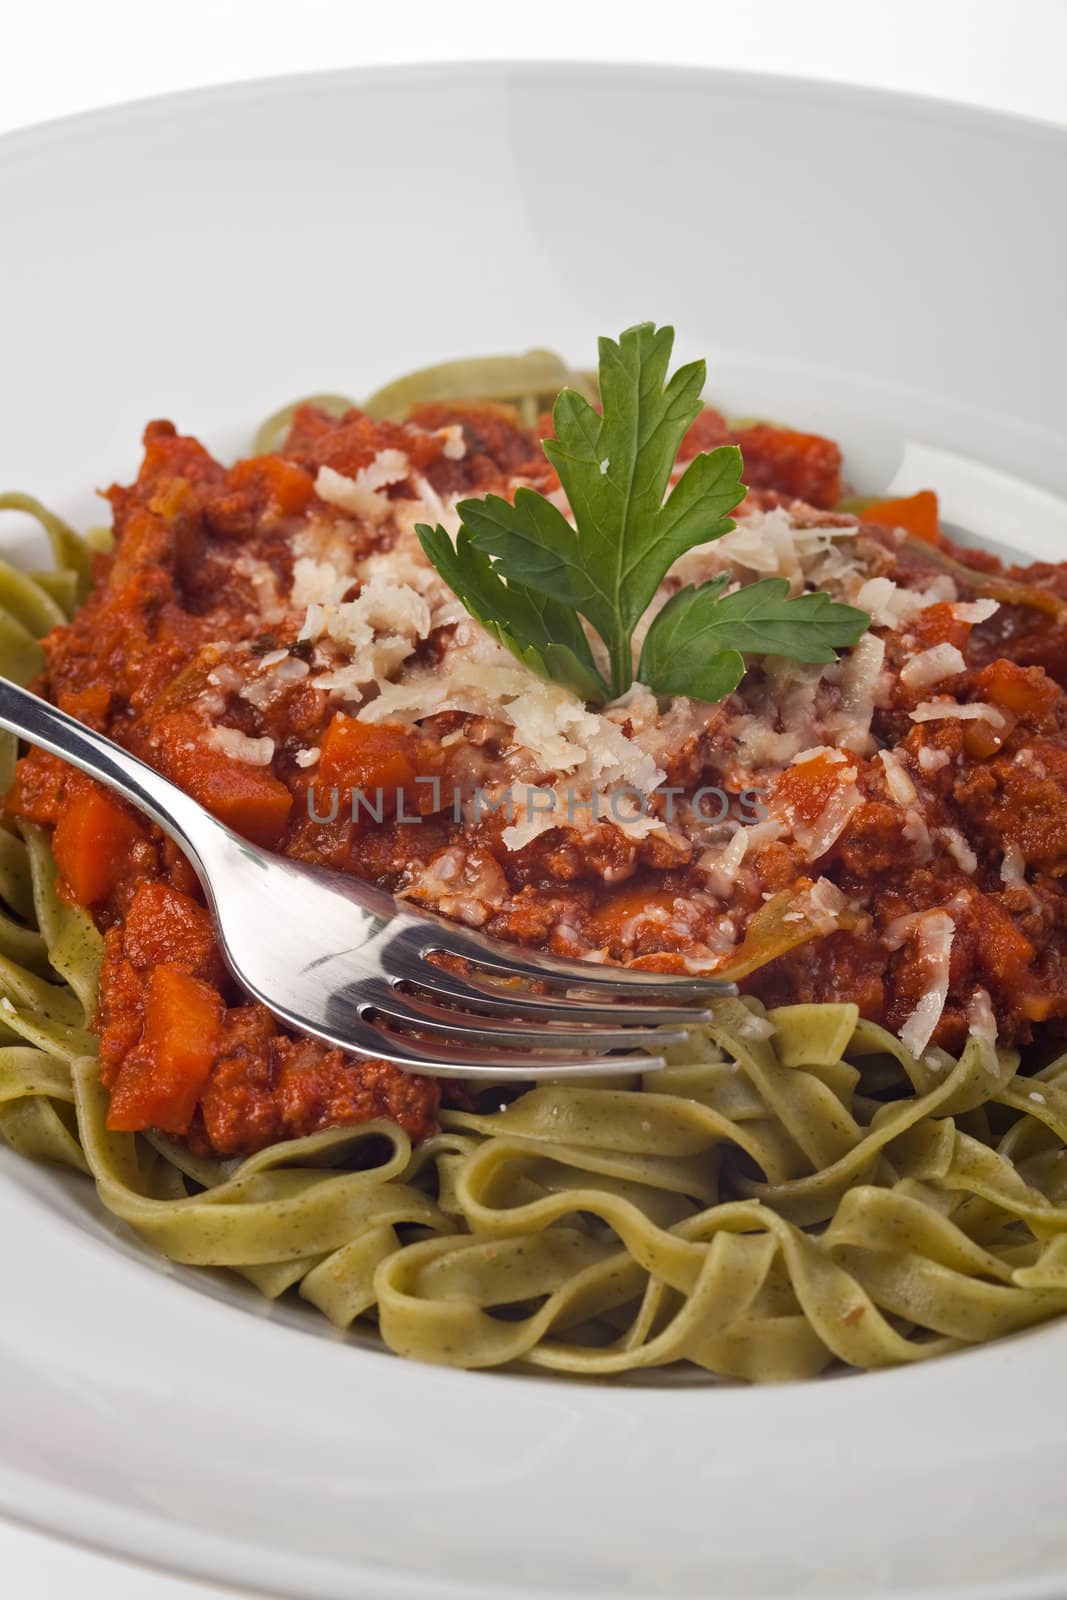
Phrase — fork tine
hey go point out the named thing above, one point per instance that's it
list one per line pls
(492, 1002)
(573, 974)
(440, 1022)
(349, 1023)
(509, 1068)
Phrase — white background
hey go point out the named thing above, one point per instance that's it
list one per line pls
(61, 56)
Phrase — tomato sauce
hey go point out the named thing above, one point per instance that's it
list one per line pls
(193, 610)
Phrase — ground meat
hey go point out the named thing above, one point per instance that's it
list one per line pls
(193, 610)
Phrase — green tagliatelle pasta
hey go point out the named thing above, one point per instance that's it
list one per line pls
(528, 382)
(794, 1189)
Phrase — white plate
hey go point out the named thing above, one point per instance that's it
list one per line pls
(888, 270)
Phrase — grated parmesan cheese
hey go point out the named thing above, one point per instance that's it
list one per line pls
(1013, 866)
(777, 543)
(455, 445)
(959, 849)
(918, 834)
(816, 837)
(564, 736)
(888, 604)
(934, 931)
(975, 611)
(823, 904)
(361, 496)
(755, 1027)
(279, 676)
(239, 747)
(263, 581)
(317, 583)
(860, 678)
(901, 789)
(723, 866)
(981, 1021)
(826, 751)
(376, 632)
(939, 710)
(932, 666)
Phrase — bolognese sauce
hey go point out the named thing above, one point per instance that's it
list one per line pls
(271, 638)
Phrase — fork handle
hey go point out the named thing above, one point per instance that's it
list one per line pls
(42, 724)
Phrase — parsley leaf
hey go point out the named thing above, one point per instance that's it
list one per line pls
(615, 470)
(529, 576)
(698, 642)
(544, 635)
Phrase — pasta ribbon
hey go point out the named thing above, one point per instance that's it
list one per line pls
(794, 1190)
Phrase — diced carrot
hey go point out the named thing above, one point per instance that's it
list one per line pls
(917, 513)
(608, 923)
(803, 792)
(92, 842)
(161, 1081)
(366, 757)
(1028, 691)
(284, 484)
(248, 799)
(938, 624)
(982, 740)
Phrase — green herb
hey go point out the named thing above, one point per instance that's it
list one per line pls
(542, 633)
(697, 644)
(527, 575)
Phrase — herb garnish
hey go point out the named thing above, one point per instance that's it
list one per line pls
(527, 575)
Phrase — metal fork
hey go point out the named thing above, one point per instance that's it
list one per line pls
(332, 956)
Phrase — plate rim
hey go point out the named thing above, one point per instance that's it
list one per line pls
(137, 1536)
(810, 89)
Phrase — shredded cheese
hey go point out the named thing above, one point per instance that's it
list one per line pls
(901, 789)
(723, 866)
(974, 711)
(860, 679)
(239, 747)
(1013, 866)
(361, 496)
(981, 1021)
(826, 751)
(975, 611)
(932, 666)
(959, 849)
(934, 932)
(888, 604)
(816, 837)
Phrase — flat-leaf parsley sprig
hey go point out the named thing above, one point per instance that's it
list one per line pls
(528, 576)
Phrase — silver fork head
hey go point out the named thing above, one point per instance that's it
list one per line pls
(339, 959)
(331, 956)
